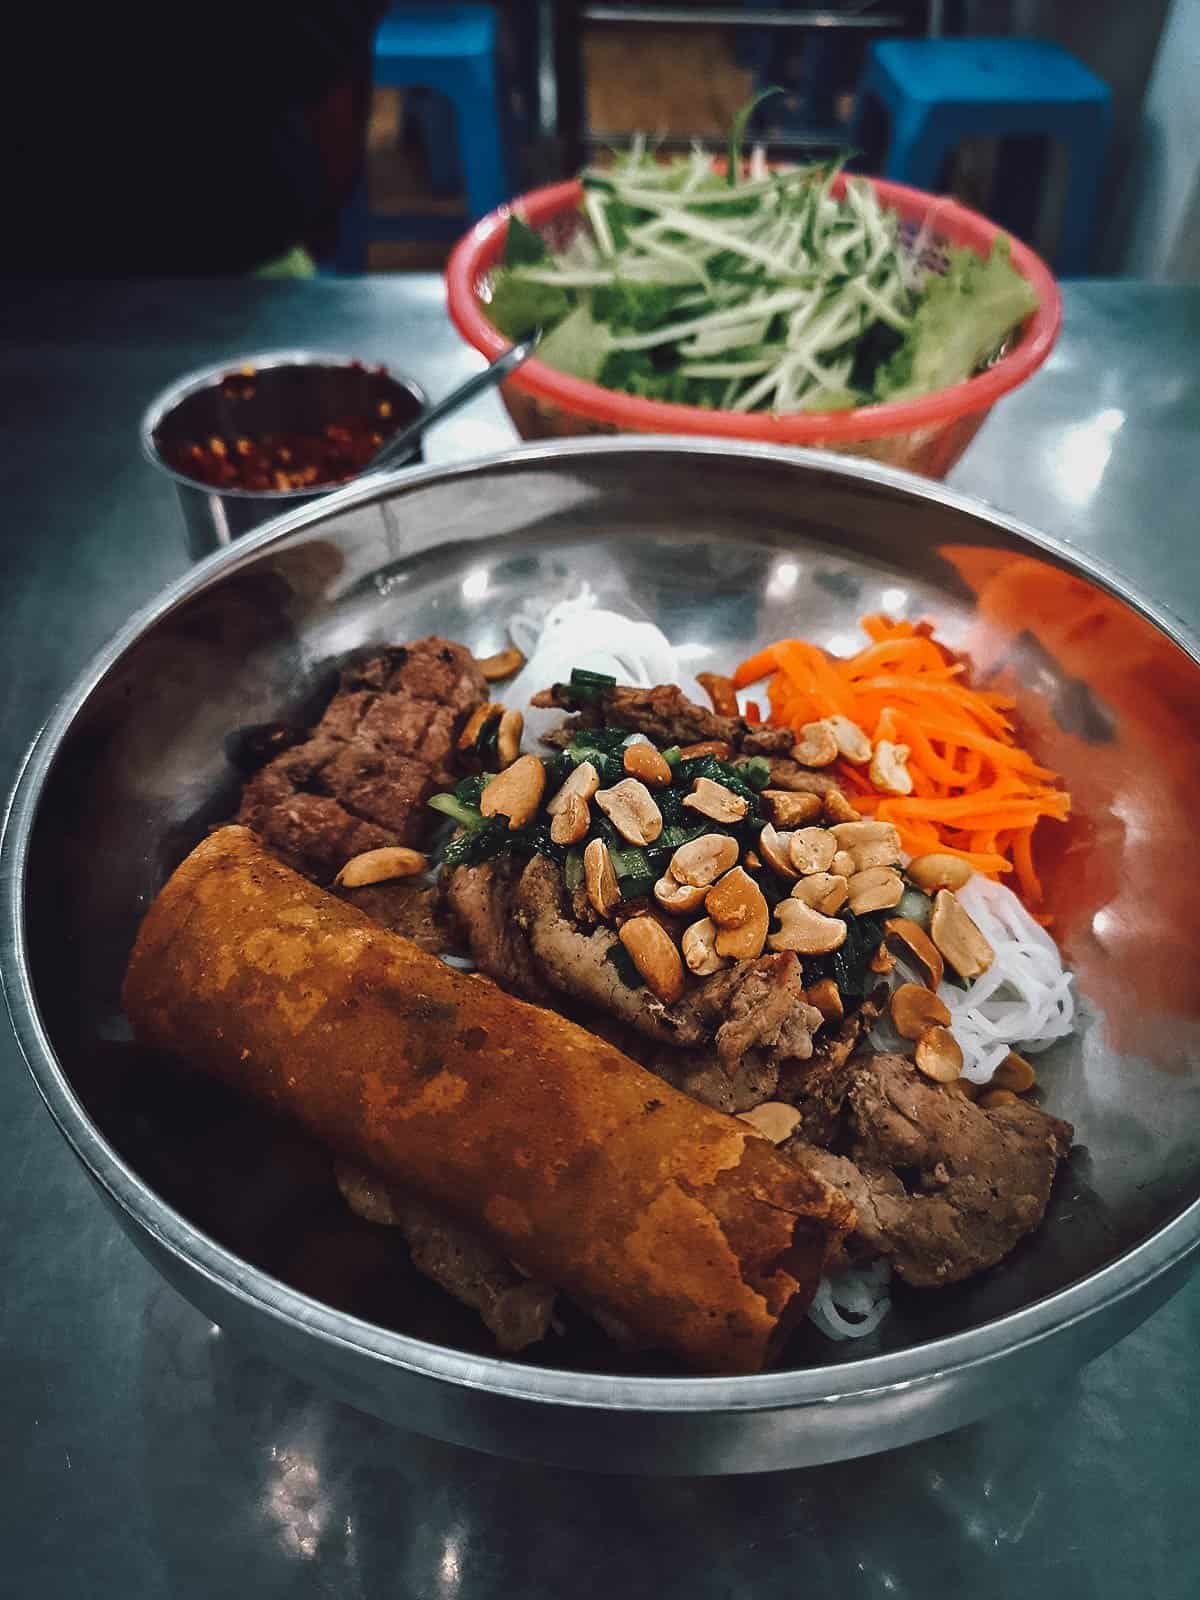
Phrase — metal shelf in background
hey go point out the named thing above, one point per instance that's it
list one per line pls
(781, 144)
(736, 17)
(563, 138)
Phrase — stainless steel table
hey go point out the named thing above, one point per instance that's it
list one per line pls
(145, 1454)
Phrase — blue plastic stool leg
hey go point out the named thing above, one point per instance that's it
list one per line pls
(1085, 153)
(434, 118)
(353, 226)
(871, 111)
(916, 150)
(480, 146)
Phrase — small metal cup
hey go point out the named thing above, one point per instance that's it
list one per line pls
(292, 391)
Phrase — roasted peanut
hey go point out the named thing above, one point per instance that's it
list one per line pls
(700, 948)
(876, 889)
(379, 866)
(889, 768)
(652, 951)
(853, 835)
(502, 665)
(569, 824)
(872, 844)
(881, 853)
(827, 998)
(883, 961)
(852, 742)
(775, 850)
(938, 871)
(720, 691)
(716, 801)
(806, 931)
(774, 1119)
(939, 1055)
(508, 737)
(516, 792)
(916, 945)
(957, 937)
(476, 723)
(702, 861)
(630, 807)
(738, 907)
(721, 748)
(733, 900)
(642, 761)
(584, 782)
(1015, 1074)
(678, 898)
(838, 808)
(789, 810)
(812, 850)
(993, 1099)
(823, 891)
(745, 943)
(817, 746)
(915, 1008)
(603, 890)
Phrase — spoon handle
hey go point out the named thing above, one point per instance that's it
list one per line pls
(401, 443)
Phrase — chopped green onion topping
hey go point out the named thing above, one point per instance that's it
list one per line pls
(451, 806)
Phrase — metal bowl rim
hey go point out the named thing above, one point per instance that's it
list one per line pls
(209, 377)
(1132, 1271)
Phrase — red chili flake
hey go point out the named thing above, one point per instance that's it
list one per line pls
(281, 461)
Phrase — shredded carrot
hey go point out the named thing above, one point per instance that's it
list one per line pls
(755, 668)
(976, 793)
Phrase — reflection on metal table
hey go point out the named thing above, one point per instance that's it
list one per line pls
(155, 1456)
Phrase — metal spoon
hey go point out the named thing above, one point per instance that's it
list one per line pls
(400, 444)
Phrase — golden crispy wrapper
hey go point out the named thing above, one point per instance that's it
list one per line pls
(586, 1169)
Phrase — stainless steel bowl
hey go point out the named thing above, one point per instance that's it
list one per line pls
(725, 546)
(248, 396)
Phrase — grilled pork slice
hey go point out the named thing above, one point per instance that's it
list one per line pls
(666, 716)
(941, 1187)
(362, 777)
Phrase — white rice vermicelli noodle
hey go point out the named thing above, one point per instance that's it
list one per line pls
(860, 1291)
(1024, 1000)
(579, 633)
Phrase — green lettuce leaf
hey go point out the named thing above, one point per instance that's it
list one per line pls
(637, 373)
(523, 245)
(962, 318)
(517, 306)
(637, 307)
(578, 346)
(836, 400)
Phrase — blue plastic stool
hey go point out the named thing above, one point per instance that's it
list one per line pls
(941, 91)
(450, 49)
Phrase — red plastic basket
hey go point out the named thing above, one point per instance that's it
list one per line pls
(926, 435)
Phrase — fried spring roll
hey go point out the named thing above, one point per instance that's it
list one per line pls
(591, 1173)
